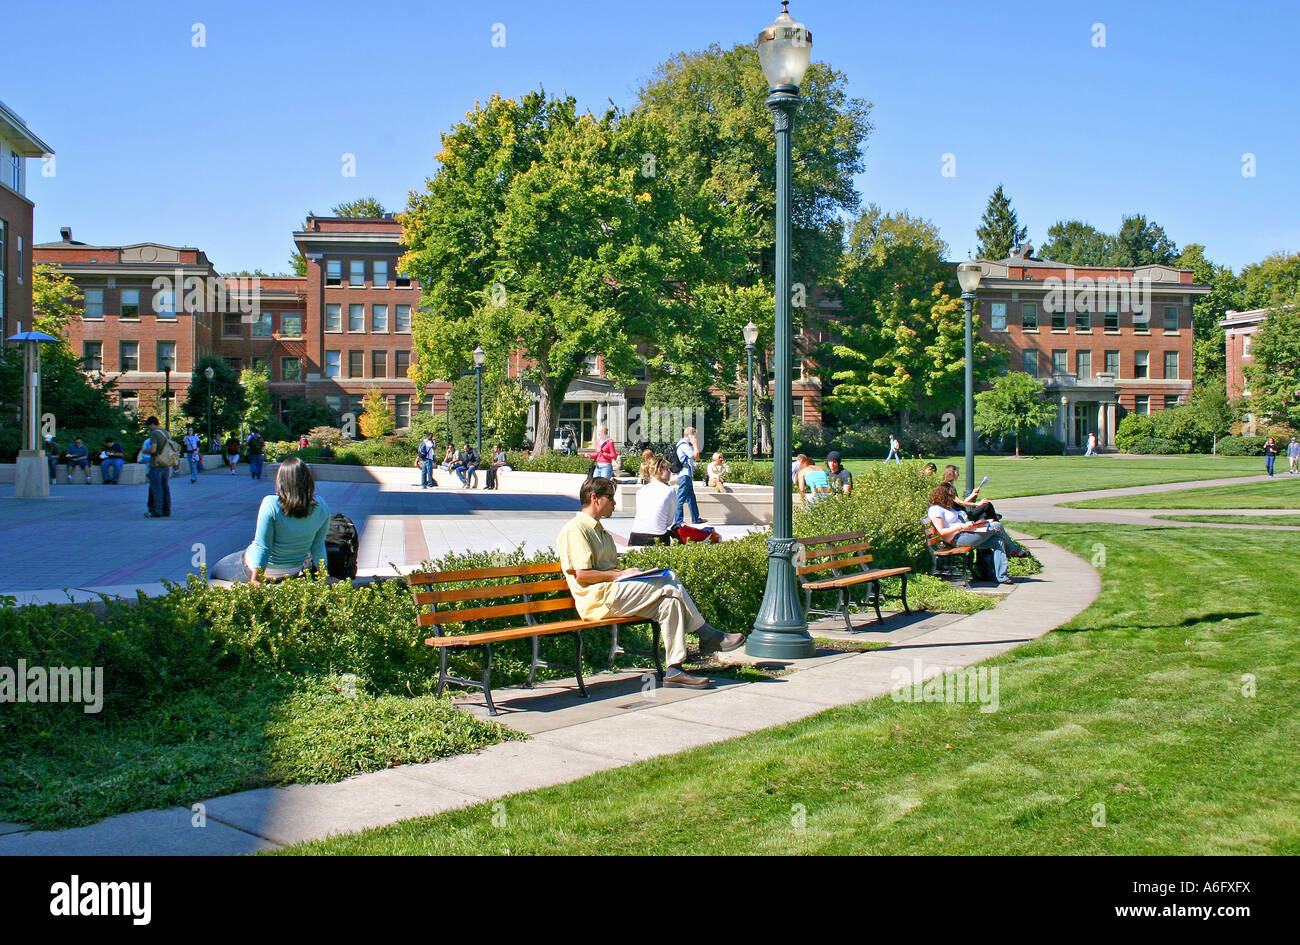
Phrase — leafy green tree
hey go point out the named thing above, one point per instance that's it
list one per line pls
(999, 230)
(302, 414)
(376, 416)
(368, 207)
(1015, 403)
(1077, 244)
(681, 392)
(1274, 280)
(1208, 352)
(910, 354)
(1141, 242)
(56, 301)
(464, 409)
(507, 417)
(891, 251)
(257, 396)
(228, 399)
(1273, 376)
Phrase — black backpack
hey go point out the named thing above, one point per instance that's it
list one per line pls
(675, 464)
(341, 543)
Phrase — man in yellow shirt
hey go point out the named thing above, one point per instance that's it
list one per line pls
(602, 589)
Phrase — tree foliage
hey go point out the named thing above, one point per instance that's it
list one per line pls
(376, 416)
(999, 230)
(1014, 404)
(1208, 352)
(228, 400)
(1274, 280)
(1139, 242)
(257, 396)
(1273, 376)
(361, 207)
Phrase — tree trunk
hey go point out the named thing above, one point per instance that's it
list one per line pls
(1017, 442)
(542, 435)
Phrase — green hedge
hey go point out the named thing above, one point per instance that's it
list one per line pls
(1241, 445)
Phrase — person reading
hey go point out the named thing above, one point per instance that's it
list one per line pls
(602, 589)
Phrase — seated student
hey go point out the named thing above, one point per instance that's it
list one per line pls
(449, 458)
(797, 465)
(958, 532)
(813, 479)
(291, 529)
(111, 461)
(656, 507)
(645, 474)
(840, 478)
(78, 455)
(467, 467)
(929, 469)
(717, 472)
(602, 589)
(975, 510)
(52, 453)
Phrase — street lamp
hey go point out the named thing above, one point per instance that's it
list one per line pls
(969, 274)
(750, 332)
(479, 358)
(31, 471)
(781, 628)
(209, 374)
(167, 395)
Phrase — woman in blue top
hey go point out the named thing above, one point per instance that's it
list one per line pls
(291, 528)
(813, 479)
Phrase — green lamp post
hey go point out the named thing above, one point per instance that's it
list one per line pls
(780, 629)
(750, 331)
(968, 277)
(479, 357)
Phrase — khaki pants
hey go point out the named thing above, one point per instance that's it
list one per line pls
(664, 601)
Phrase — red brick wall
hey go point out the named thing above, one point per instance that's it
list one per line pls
(16, 212)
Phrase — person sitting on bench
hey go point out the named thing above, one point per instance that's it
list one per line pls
(602, 589)
(78, 455)
(975, 510)
(111, 461)
(956, 530)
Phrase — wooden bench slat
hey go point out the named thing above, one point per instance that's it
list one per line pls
(500, 610)
(840, 549)
(843, 563)
(823, 539)
(485, 593)
(480, 574)
(861, 577)
(519, 633)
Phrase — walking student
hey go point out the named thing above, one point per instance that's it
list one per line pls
(1293, 455)
(256, 450)
(606, 454)
(427, 455)
(687, 452)
(190, 444)
(894, 448)
(232, 453)
(1270, 454)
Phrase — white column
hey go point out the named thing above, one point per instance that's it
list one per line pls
(1110, 424)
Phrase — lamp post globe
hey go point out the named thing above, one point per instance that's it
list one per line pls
(969, 274)
(781, 627)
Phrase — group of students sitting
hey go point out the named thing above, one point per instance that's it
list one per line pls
(970, 523)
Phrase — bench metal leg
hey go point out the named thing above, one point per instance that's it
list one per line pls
(615, 651)
(487, 678)
(875, 600)
(442, 671)
(906, 609)
(846, 596)
(577, 663)
(537, 661)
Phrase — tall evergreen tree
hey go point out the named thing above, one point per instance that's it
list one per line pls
(999, 228)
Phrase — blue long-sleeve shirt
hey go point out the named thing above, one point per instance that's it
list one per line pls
(282, 542)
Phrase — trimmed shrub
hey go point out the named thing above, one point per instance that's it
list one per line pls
(552, 461)
(1033, 443)
(1157, 446)
(1241, 445)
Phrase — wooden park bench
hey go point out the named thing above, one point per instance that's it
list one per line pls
(945, 560)
(506, 594)
(840, 563)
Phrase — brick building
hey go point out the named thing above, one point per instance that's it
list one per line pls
(1239, 335)
(17, 144)
(1105, 341)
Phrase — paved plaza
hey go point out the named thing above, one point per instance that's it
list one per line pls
(95, 539)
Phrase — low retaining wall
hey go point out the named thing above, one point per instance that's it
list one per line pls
(133, 474)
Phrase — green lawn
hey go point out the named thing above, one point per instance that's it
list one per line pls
(1142, 704)
(1270, 494)
(1041, 475)
(1291, 520)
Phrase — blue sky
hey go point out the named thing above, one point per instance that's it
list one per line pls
(226, 146)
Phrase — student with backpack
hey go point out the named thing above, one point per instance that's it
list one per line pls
(682, 463)
(190, 444)
(256, 447)
(163, 458)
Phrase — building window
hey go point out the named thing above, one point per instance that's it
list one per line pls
(402, 280)
(1060, 362)
(291, 324)
(1171, 364)
(262, 326)
(1112, 363)
(402, 319)
(356, 317)
(998, 317)
(231, 325)
(164, 303)
(129, 399)
(356, 364)
(129, 356)
(1143, 404)
(332, 363)
(402, 413)
(1171, 318)
(1029, 316)
(333, 317)
(16, 172)
(1059, 321)
(357, 272)
(401, 363)
(20, 260)
(1083, 321)
(1171, 401)
(378, 363)
(92, 355)
(1247, 342)
(130, 307)
(381, 273)
(166, 355)
(94, 302)
(640, 370)
(1083, 365)
(796, 409)
(1112, 321)
(334, 272)
(356, 405)
(379, 318)
(591, 364)
(1029, 363)
(334, 402)
(1141, 367)
(291, 369)
(236, 365)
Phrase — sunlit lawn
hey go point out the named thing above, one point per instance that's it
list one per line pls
(1267, 494)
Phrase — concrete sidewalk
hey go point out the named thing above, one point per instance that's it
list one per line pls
(625, 721)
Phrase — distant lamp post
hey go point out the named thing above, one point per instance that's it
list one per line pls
(781, 628)
(209, 374)
(1065, 425)
(969, 274)
(167, 395)
(447, 401)
(479, 358)
(750, 332)
(31, 472)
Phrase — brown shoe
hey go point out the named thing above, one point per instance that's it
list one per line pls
(684, 680)
(722, 643)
